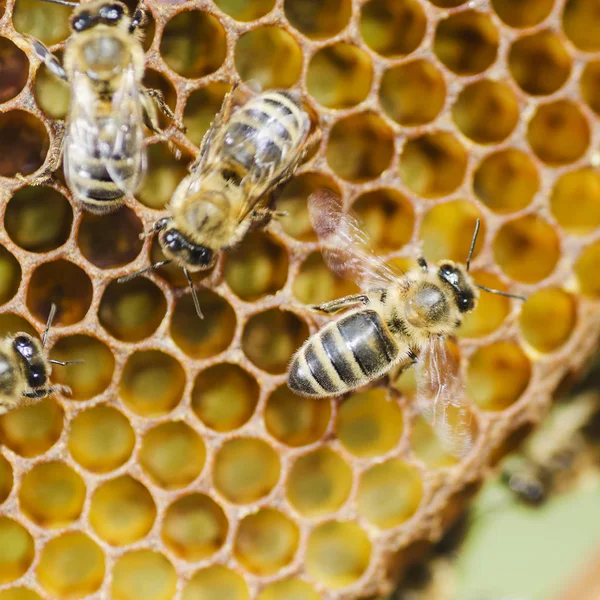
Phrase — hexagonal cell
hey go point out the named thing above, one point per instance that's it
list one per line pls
(558, 132)
(216, 581)
(293, 589)
(433, 164)
(486, 111)
(173, 454)
(63, 283)
(590, 85)
(90, 378)
(316, 19)
(271, 337)
(193, 44)
(245, 10)
(18, 550)
(52, 495)
(18, 593)
(194, 527)
(24, 143)
(32, 430)
(143, 574)
(389, 493)
(581, 21)
(14, 69)
(38, 219)
(319, 483)
(369, 424)
(122, 511)
(270, 56)
(548, 318)
(202, 338)
(466, 42)
(522, 13)
(527, 249)
(337, 554)
(48, 23)
(412, 93)
(11, 323)
(133, 310)
(393, 27)
(497, 375)
(245, 470)
(429, 447)
(10, 275)
(506, 181)
(71, 566)
(224, 396)
(152, 383)
(101, 439)
(201, 107)
(339, 76)
(6, 478)
(586, 270)
(447, 231)
(51, 93)
(575, 201)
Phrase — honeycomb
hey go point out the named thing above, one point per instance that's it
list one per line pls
(181, 466)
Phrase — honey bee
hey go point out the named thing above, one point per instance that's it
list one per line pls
(252, 147)
(25, 369)
(396, 321)
(102, 143)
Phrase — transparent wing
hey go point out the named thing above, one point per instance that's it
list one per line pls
(441, 397)
(345, 247)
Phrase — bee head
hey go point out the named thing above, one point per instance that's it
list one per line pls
(29, 352)
(464, 291)
(180, 249)
(98, 13)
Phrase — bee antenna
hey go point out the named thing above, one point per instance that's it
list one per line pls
(499, 293)
(472, 248)
(153, 267)
(194, 295)
(64, 363)
(63, 2)
(51, 316)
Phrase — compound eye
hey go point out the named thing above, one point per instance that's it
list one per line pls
(23, 346)
(173, 241)
(82, 21)
(36, 378)
(111, 12)
(201, 256)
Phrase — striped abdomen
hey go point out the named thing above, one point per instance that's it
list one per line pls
(343, 356)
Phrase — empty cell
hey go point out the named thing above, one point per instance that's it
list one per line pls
(23, 143)
(6, 478)
(581, 23)
(586, 271)
(51, 93)
(143, 574)
(291, 589)
(14, 69)
(317, 19)
(216, 581)
(201, 107)
(47, 23)
(245, 10)
(18, 593)
(522, 13)
(10, 275)
(590, 85)
(16, 552)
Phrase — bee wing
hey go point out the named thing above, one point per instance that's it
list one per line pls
(345, 247)
(441, 397)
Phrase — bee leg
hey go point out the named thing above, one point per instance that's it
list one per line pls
(159, 99)
(314, 139)
(139, 17)
(404, 365)
(340, 303)
(151, 121)
(40, 393)
(46, 57)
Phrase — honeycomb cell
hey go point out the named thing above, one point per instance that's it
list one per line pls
(266, 541)
(558, 132)
(466, 42)
(319, 483)
(271, 337)
(193, 44)
(590, 85)
(10, 275)
(291, 589)
(201, 107)
(270, 56)
(339, 76)
(14, 69)
(6, 478)
(63, 283)
(497, 375)
(18, 593)
(51, 93)
(23, 143)
(337, 554)
(575, 201)
(539, 63)
(16, 552)
(173, 454)
(369, 424)
(48, 23)
(318, 20)
(527, 249)
(71, 566)
(245, 10)
(296, 420)
(586, 271)
(101, 439)
(133, 310)
(11, 323)
(110, 241)
(225, 396)
(522, 13)
(360, 147)
(433, 164)
(506, 181)
(216, 582)
(194, 527)
(412, 93)
(245, 470)
(581, 22)
(143, 574)
(429, 447)
(122, 511)
(257, 267)
(447, 231)
(389, 493)
(548, 318)
(486, 111)
(38, 219)
(32, 430)
(393, 27)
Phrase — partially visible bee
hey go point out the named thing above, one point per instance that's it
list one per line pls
(25, 369)
(397, 320)
(250, 149)
(103, 147)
